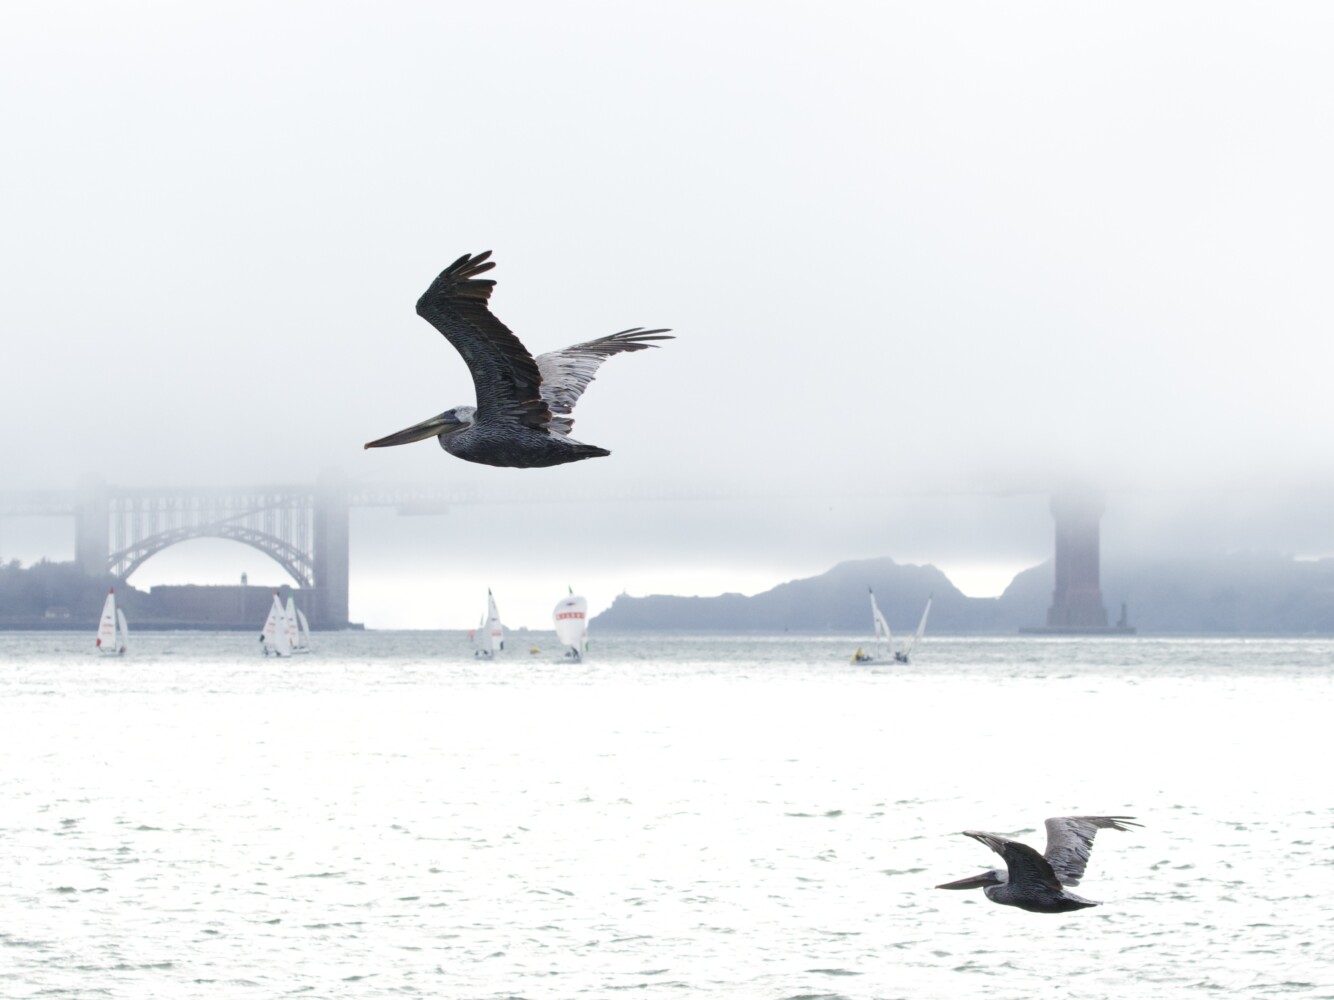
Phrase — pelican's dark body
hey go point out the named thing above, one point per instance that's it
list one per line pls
(1037, 898)
(1039, 882)
(515, 447)
(522, 417)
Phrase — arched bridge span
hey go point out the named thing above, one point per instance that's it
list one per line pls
(302, 528)
(277, 521)
(298, 564)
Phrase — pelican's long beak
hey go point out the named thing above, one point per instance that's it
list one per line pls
(972, 882)
(445, 423)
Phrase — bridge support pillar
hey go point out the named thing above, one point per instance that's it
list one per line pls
(330, 543)
(1076, 602)
(92, 527)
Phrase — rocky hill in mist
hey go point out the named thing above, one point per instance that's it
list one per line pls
(1239, 593)
(835, 601)
(51, 594)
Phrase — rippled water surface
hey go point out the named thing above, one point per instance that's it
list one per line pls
(709, 816)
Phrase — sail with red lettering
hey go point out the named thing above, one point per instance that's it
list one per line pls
(571, 620)
(110, 640)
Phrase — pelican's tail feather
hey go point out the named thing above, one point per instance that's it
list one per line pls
(588, 451)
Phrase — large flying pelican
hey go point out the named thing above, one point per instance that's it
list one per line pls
(522, 417)
(1037, 882)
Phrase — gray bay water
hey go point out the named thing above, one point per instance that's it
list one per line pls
(705, 816)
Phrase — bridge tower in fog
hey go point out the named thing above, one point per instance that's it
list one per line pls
(92, 523)
(329, 547)
(1076, 600)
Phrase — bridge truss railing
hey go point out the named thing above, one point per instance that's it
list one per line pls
(278, 521)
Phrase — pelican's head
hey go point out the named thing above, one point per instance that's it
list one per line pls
(993, 877)
(447, 423)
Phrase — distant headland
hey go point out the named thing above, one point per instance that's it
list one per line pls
(1229, 594)
(1226, 594)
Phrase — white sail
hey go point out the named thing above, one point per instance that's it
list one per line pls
(882, 633)
(106, 628)
(282, 641)
(274, 635)
(571, 620)
(495, 631)
(884, 646)
(303, 643)
(292, 627)
(289, 622)
(916, 637)
(123, 633)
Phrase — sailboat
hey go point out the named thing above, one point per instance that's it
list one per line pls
(884, 651)
(274, 637)
(571, 620)
(902, 655)
(884, 642)
(298, 631)
(493, 632)
(113, 634)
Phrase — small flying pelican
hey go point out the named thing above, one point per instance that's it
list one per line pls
(1037, 882)
(522, 417)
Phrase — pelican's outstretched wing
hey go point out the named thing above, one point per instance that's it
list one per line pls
(1070, 839)
(566, 374)
(1025, 866)
(503, 372)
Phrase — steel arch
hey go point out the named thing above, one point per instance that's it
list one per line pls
(295, 562)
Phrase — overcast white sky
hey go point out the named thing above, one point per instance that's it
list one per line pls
(959, 247)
